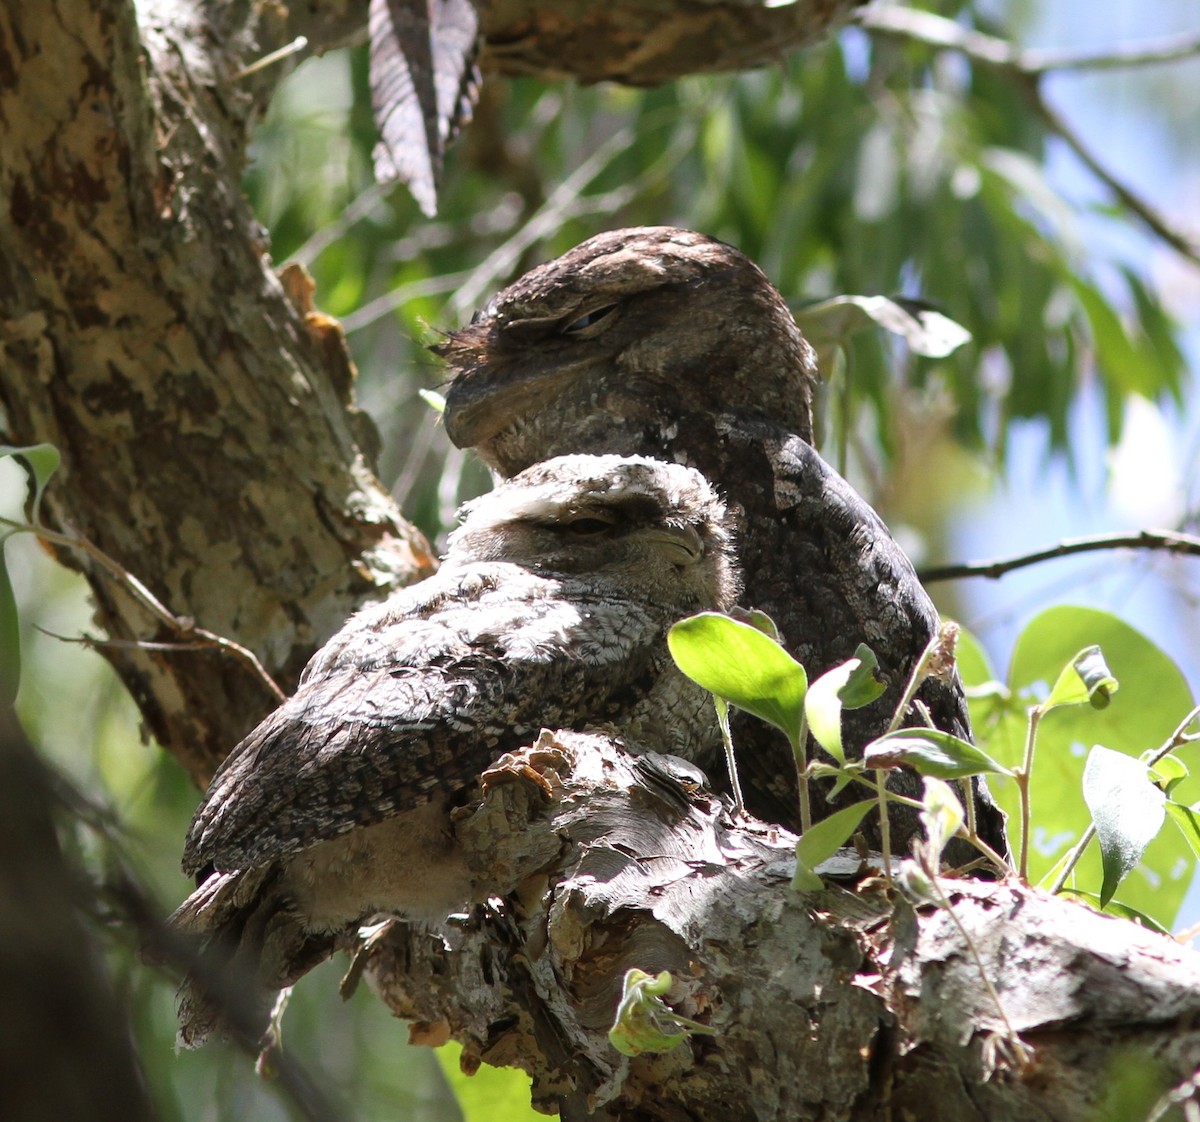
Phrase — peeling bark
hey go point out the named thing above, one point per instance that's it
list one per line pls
(209, 440)
(846, 1004)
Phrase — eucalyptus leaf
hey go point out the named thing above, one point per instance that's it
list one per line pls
(926, 331)
(435, 400)
(823, 839)
(644, 1022)
(759, 620)
(739, 663)
(1154, 698)
(1126, 807)
(931, 752)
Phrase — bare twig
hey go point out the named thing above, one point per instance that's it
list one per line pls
(1132, 202)
(1027, 67)
(938, 31)
(180, 625)
(1169, 541)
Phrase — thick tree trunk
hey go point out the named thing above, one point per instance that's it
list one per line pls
(205, 420)
(210, 446)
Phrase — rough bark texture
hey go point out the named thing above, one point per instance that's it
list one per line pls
(645, 42)
(835, 1005)
(204, 417)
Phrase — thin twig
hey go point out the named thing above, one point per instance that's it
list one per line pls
(1169, 541)
(1133, 202)
(1027, 67)
(182, 626)
(1152, 52)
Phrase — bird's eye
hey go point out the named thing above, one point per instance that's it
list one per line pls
(581, 325)
(588, 527)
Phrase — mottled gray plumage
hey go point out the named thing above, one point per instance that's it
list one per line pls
(550, 610)
(663, 342)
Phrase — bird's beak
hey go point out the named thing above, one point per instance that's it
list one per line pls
(682, 544)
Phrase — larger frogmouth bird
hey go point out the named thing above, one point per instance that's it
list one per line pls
(550, 610)
(663, 342)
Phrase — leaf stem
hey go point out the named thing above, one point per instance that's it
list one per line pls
(800, 755)
(1021, 775)
(916, 804)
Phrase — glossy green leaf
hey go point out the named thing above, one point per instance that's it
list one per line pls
(851, 685)
(823, 839)
(930, 752)
(1128, 811)
(742, 665)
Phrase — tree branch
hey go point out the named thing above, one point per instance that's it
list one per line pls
(868, 1006)
(1027, 67)
(1169, 541)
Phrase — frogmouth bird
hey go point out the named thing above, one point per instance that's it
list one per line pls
(663, 342)
(550, 610)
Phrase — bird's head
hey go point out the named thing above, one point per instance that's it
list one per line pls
(657, 530)
(635, 324)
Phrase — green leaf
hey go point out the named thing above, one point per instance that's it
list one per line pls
(931, 752)
(926, 331)
(1168, 772)
(739, 663)
(1086, 678)
(488, 1094)
(1188, 820)
(1154, 698)
(10, 637)
(822, 840)
(1127, 808)
(1116, 908)
(759, 620)
(644, 1022)
(850, 686)
(43, 461)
